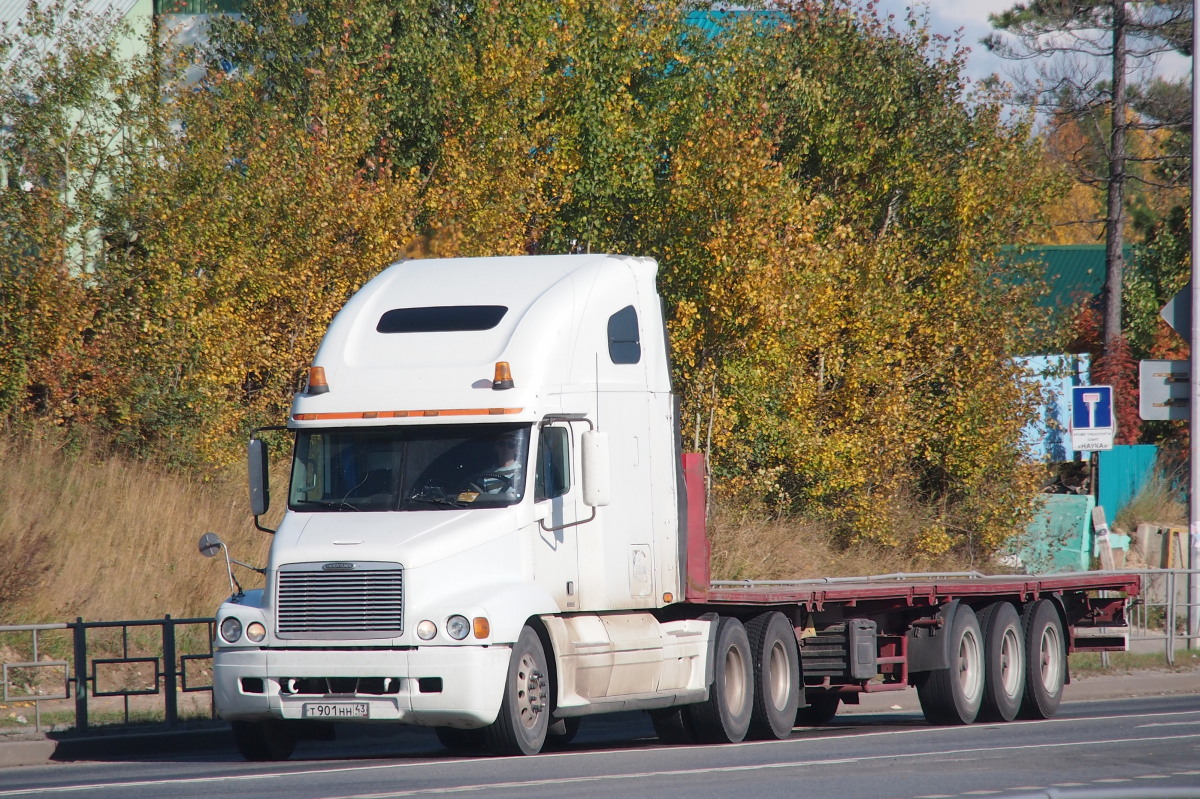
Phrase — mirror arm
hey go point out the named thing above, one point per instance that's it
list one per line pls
(542, 522)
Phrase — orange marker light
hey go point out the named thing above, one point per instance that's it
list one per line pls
(316, 381)
(482, 627)
(503, 378)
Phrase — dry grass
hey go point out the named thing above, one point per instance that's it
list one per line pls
(109, 538)
(1161, 501)
(748, 545)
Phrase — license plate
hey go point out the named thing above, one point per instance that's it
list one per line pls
(336, 710)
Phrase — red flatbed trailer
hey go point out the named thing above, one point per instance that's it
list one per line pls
(974, 646)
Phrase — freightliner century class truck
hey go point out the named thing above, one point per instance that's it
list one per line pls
(491, 530)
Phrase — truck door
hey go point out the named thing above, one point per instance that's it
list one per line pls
(556, 493)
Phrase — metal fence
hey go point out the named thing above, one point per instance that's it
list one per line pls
(140, 667)
(138, 658)
(1160, 616)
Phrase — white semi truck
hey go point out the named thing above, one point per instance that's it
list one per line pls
(491, 530)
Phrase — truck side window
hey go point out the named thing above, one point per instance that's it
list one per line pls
(553, 477)
(624, 344)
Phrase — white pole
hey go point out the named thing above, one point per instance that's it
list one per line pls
(1193, 582)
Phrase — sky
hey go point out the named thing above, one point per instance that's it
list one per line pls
(947, 16)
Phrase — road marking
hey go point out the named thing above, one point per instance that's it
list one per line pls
(562, 781)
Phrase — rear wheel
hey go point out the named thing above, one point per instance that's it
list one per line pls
(776, 660)
(524, 718)
(1004, 662)
(953, 695)
(272, 739)
(1045, 660)
(725, 716)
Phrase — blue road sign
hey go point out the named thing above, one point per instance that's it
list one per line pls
(1093, 426)
(1091, 407)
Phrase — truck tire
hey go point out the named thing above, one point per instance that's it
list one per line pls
(1045, 660)
(524, 718)
(1004, 662)
(821, 710)
(259, 741)
(725, 716)
(953, 695)
(456, 740)
(776, 660)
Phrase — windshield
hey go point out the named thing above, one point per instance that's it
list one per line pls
(409, 468)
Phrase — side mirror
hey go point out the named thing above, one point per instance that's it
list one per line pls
(210, 545)
(597, 480)
(260, 487)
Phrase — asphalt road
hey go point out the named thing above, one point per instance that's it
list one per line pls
(1142, 747)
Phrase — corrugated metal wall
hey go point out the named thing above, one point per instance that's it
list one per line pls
(1121, 473)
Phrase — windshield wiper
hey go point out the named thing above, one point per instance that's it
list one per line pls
(330, 504)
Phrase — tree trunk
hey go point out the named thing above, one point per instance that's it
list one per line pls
(1114, 259)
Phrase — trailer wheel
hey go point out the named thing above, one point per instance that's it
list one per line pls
(821, 710)
(725, 716)
(457, 740)
(776, 660)
(1045, 660)
(954, 695)
(259, 741)
(524, 718)
(1004, 662)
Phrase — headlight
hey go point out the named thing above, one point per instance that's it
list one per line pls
(231, 629)
(255, 631)
(457, 627)
(426, 630)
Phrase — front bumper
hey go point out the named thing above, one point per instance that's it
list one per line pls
(452, 686)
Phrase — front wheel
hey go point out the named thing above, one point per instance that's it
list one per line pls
(725, 716)
(524, 719)
(953, 695)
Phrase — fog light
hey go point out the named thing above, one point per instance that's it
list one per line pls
(231, 629)
(426, 630)
(457, 627)
(256, 632)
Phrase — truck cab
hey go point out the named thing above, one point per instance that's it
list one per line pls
(486, 448)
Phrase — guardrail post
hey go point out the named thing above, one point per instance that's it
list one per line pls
(81, 674)
(169, 672)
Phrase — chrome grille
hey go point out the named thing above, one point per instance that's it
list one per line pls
(340, 600)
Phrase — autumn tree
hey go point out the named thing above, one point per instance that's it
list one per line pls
(74, 124)
(1073, 44)
(824, 198)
